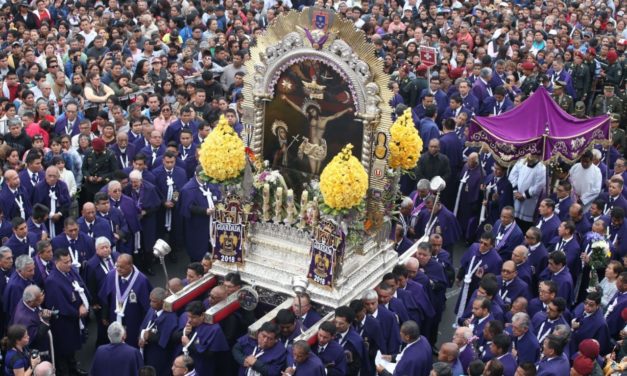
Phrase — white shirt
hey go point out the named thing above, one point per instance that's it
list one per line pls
(586, 182)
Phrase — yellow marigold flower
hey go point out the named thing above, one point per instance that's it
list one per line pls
(222, 154)
(405, 143)
(344, 181)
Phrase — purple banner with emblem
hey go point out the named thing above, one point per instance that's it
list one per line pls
(539, 127)
(326, 253)
(229, 239)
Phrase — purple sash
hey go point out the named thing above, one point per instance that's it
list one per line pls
(505, 236)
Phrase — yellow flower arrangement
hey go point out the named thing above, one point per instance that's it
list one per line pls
(222, 154)
(405, 143)
(344, 181)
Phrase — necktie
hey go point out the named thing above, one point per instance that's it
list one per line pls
(321, 349)
(169, 173)
(73, 244)
(498, 108)
(185, 126)
(24, 241)
(34, 178)
(116, 204)
(48, 267)
(109, 262)
(90, 229)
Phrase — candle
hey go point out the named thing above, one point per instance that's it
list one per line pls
(266, 191)
(304, 197)
(279, 194)
(290, 197)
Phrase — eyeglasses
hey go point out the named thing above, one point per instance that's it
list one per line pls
(166, 109)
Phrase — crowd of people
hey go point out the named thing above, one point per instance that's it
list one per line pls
(103, 107)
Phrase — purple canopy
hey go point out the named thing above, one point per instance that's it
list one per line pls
(538, 126)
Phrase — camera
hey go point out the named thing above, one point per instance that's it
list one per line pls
(54, 313)
(36, 353)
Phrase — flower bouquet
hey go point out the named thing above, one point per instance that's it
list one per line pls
(405, 143)
(599, 257)
(343, 184)
(222, 155)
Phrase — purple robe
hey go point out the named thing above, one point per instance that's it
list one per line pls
(503, 188)
(548, 228)
(496, 308)
(159, 352)
(148, 200)
(389, 329)
(593, 326)
(470, 201)
(509, 364)
(209, 344)
(509, 239)
(146, 176)
(130, 212)
(311, 318)
(557, 366)
(34, 228)
(444, 223)
(539, 259)
(26, 180)
(452, 147)
(173, 132)
(370, 331)
(416, 360)
(572, 250)
(564, 281)
(467, 355)
(135, 309)
(152, 153)
(116, 220)
(512, 290)
(9, 202)
(524, 273)
(490, 263)
(19, 247)
(271, 360)
(96, 270)
(332, 358)
(41, 195)
(179, 179)
(196, 221)
(562, 206)
(60, 295)
(37, 330)
(527, 347)
(618, 236)
(542, 326)
(615, 307)
(99, 227)
(188, 156)
(83, 244)
(312, 366)
(125, 159)
(42, 271)
(116, 359)
(13, 292)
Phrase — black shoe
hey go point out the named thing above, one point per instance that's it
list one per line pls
(80, 372)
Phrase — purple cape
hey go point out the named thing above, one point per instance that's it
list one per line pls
(116, 359)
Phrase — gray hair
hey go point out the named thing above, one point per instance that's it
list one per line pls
(407, 202)
(522, 319)
(44, 369)
(158, 293)
(562, 332)
(442, 369)
(596, 154)
(423, 184)
(370, 295)
(31, 293)
(3, 252)
(14, 122)
(135, 174)
(303, 345)
(23, 261)
(116, 332)
(102, 240)
(485, 73)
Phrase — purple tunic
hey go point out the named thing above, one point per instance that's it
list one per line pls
(135, 309)
(557, 366)
(470, 201)
(13, 292)
(548, 228)
(332, 358)
(9, 202)
(24, 315)
(196, 222)
(271, 360)
(416, 360)
(130, 213)
(41, 195)
(159, 352)
(209, 343)
(312, 366)
(60, 295)
(116, 359)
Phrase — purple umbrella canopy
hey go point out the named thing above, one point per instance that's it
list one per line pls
(540, 127)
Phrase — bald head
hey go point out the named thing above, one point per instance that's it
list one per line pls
(449, 352)
(175, 285)
(12, 179)
(473, 160)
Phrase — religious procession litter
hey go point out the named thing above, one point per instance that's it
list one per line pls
(310, 187)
